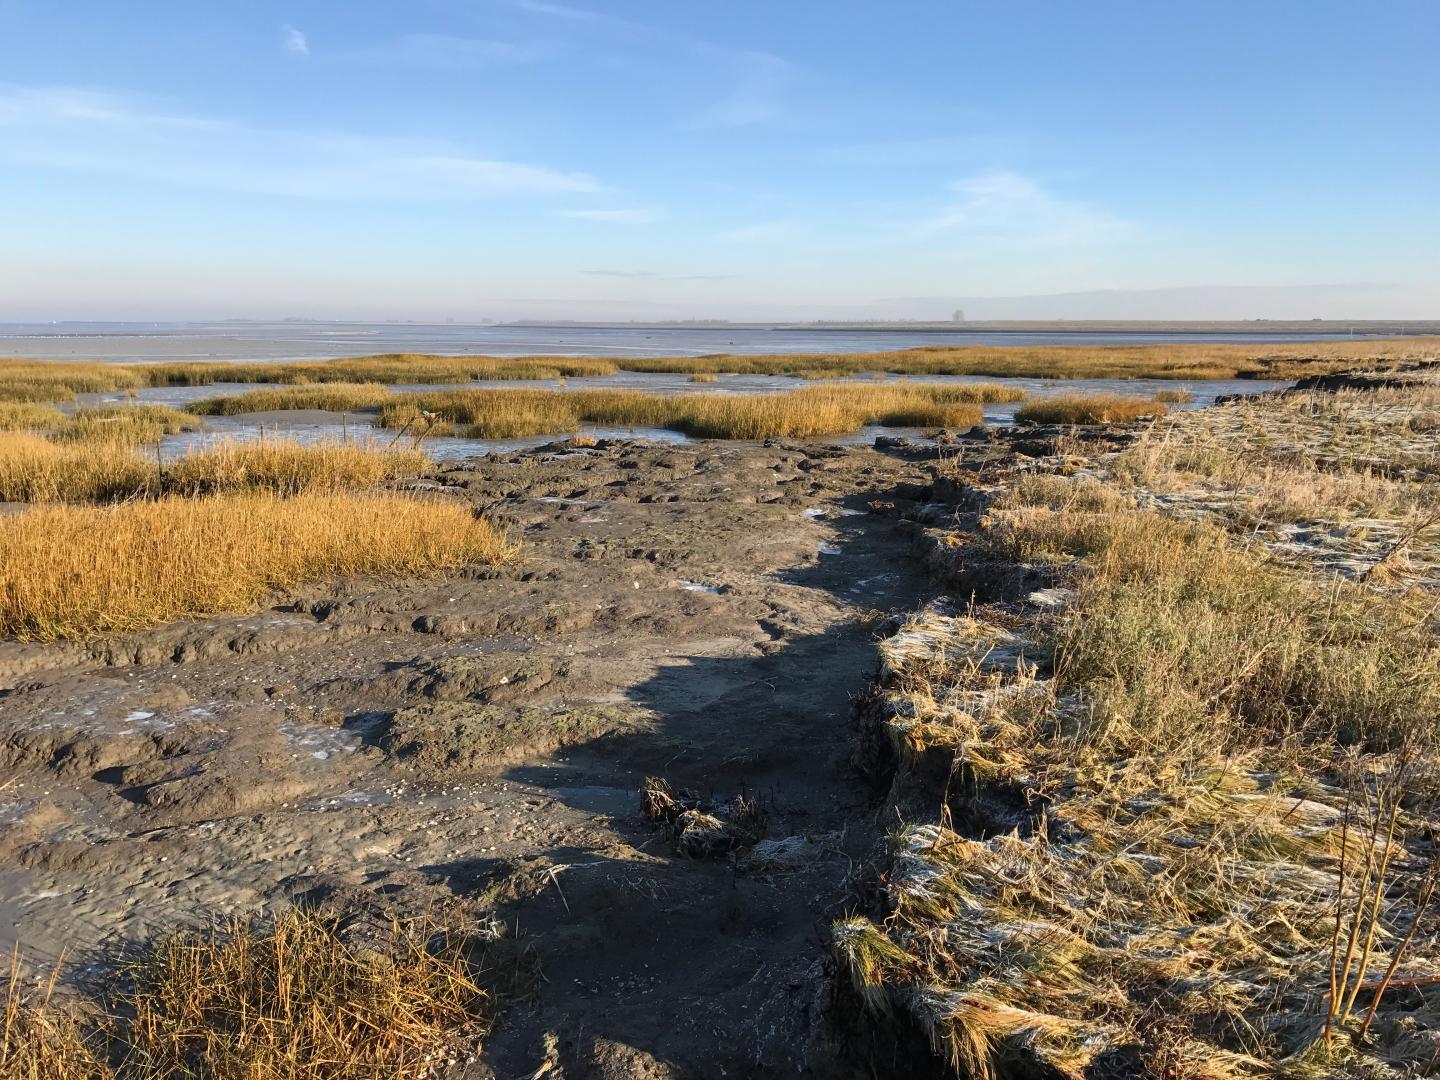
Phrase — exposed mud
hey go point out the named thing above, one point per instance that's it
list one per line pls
(700, 614)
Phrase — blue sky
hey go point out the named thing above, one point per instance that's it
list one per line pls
(504, 158)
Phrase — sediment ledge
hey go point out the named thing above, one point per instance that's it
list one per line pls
(1166, 764)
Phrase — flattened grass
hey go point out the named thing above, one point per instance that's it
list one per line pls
(1181, 640)
(83, 572)
(1089, 409)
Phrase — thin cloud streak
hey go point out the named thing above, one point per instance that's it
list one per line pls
(95, 131)
(1015, 209)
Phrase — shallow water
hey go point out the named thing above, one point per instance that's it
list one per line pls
(141, 342)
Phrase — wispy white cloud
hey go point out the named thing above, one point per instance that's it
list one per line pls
(757, 81)
(634, 216)
(294, 41)
(1016, 209)
(761, 80)
(103, 132)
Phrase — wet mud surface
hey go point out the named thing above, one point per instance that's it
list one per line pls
(704, 614)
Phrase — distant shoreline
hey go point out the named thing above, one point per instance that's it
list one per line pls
(1368, 328)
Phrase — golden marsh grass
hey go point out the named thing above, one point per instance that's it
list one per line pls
(831, 409)
(331, 397)
(246, 1002)
(1089, 409)
(36, 469)
(289, 468)
(83, 572)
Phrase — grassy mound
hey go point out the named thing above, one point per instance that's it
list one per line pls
(81, 572)
(1089, 409)
(830, 409)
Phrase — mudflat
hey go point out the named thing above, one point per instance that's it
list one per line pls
(702, 614)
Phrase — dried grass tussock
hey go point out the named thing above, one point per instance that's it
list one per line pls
(34, 469)
(293, 999)
(82, 572)
(1186, 795)
(1089, 409)
(289, 468)
(830, 409)
(330, 396)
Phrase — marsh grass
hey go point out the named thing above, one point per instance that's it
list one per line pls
(1303, 457)
(330, 396)
(1215, 361)
(289, 468)
(24, 416)
(1178, 634)
(1175, 397)
(831, 409)
(243, 1001)
(132, 425)
(1089, 409)
(83, 572)
(35, 469)
(39, 380)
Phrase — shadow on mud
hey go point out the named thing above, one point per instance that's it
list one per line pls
(657, 964)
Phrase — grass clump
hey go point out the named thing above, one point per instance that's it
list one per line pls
(83, 572)
(39, 380)
(132, 425)
(289, 468)
(1175, 397)
(808, 412)
(383, 368)
(35, 469)
(290, 999)
(25, 416)
(1089, 409)
(332, 397)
